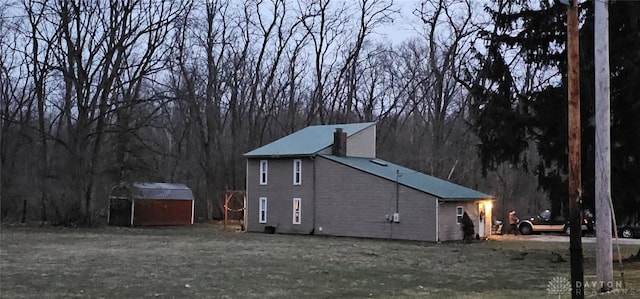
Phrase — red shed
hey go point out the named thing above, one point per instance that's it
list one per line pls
(150, 204)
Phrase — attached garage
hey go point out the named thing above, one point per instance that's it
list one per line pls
(150, 204)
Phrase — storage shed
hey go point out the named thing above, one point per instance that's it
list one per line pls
(150, 204)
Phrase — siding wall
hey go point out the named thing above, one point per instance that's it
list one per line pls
(361, 144)
(280, 192)
(354, 203)
(348, 202)
(163, 212)
(449, 228)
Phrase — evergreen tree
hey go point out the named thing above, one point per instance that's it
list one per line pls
(514, 108)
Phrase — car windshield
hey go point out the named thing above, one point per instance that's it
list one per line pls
(546, 214)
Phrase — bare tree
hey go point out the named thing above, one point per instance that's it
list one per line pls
(16, 136)
(325, 27)
(439, 59)
(371, 14)
(103, 52)
(39, 72)
(179, 90)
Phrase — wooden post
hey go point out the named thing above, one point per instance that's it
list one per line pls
(226, 208)
(604, 260)
(575, 180)
(244, 211)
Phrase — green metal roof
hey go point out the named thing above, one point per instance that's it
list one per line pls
(307, 141)
(411, 178)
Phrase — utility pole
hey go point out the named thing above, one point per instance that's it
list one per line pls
(575, 179)
(604, 259)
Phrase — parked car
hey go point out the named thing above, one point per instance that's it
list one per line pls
(547, 222)
(629, 231)
(589, 220)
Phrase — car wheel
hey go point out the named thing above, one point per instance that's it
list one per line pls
(626, 232)
(525, 229)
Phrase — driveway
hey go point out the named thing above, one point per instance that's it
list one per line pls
(559, 238)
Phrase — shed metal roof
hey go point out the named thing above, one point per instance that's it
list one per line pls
(307, 141)
(161, 191)
(411, 178)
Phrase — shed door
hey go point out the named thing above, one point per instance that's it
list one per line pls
(120, 212)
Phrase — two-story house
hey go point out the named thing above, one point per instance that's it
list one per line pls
(326, 180)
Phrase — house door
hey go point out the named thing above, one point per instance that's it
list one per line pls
(481, 221)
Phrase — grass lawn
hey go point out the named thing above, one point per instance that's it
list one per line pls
(205, 261)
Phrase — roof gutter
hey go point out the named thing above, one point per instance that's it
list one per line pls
(279, 156)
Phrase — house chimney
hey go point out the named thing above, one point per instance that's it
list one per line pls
(339, 143)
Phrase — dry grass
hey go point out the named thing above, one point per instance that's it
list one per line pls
(206, 262)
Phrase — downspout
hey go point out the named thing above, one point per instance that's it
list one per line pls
(313, 163)
(397, 191)
(397, 203)
(437, 220)
(246, 196)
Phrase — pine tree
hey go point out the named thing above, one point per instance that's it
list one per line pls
(509, 113)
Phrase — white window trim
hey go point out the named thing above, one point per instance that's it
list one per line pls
(264, 171)
(297, 170)
(262, 208)
(299, 202)
(459, 216)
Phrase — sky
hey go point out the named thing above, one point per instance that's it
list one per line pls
(405, 22)
(400, 29)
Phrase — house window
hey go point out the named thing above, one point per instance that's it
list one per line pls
(297, 209)
(297, 172)
(459, 213)
(263, 172)
(263, 210)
